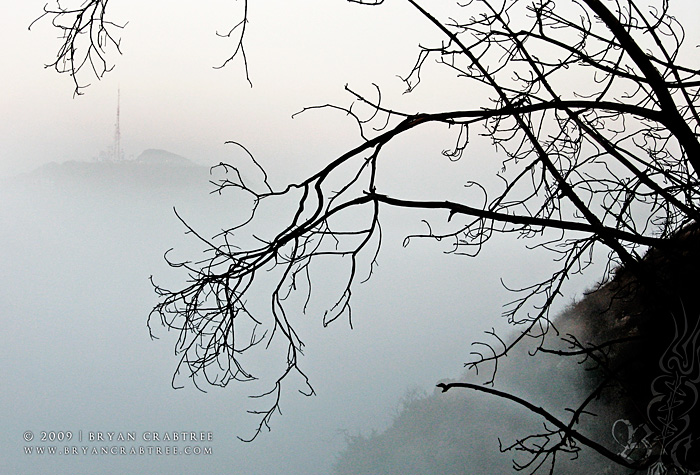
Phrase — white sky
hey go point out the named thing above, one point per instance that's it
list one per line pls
(300, 53)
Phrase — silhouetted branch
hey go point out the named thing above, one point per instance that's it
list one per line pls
(564, 431)
(238, 32)
(87, 36)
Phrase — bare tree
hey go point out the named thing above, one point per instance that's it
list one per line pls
(594, 118)
(87, 37)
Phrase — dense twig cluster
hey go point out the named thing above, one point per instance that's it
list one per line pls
(87, 36)
(212, 314)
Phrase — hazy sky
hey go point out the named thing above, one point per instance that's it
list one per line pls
(172, 97)
(300, 54)
(75, 264)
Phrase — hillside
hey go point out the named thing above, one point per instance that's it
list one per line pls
(152, 171)
(638, 334)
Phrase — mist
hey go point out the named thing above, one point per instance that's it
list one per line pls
(80, 241)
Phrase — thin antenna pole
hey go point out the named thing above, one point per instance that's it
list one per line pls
(118, 153)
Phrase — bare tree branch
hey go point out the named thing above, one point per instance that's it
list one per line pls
(87, 37)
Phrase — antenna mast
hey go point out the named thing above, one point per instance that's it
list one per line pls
(118, 153)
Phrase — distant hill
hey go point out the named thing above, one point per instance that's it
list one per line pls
(155, 156)
(154, 171)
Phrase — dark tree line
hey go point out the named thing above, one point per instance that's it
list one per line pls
(594, 117)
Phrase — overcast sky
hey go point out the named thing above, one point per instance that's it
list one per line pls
(299, 53)
(173, 98)
(75, 293)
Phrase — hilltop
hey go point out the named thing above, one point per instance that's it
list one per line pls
(152, 172)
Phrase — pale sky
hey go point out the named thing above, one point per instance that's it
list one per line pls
(173, 98)
(299, 53)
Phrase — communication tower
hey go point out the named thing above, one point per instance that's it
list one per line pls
(118, 153)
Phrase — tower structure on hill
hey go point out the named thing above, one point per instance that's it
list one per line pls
(117, 152)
